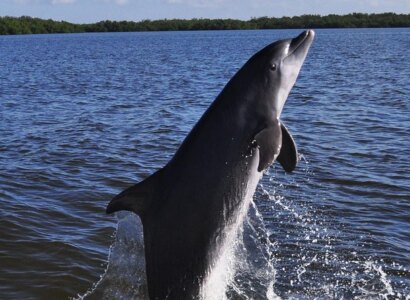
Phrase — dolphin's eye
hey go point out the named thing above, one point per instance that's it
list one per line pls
(272, 67)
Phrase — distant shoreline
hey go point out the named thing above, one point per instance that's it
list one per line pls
(30, 25)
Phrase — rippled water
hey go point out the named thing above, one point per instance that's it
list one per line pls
(83, 116)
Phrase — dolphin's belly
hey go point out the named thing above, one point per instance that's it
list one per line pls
(217, 277)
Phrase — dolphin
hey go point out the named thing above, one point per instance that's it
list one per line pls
(191, 208)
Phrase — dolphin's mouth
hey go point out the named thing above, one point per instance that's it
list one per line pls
(300, 40)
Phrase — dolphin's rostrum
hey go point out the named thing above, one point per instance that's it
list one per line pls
(189, 207)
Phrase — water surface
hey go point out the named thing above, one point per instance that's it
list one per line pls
(83, 116)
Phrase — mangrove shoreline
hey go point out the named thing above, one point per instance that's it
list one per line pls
(30, 25)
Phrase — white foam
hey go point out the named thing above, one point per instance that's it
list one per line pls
(124, 277)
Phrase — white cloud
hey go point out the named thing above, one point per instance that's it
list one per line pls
(24, 1)
(199, 3)
(56, 2)
(121, 2)
(118, 2)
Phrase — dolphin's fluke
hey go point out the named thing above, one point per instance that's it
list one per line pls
(136, 198)
(288, 156)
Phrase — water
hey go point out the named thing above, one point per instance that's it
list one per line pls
(83, 116)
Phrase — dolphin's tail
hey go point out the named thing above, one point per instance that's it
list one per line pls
(136, 198)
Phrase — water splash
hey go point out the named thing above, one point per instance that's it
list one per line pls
(125, 276)
(285, 248)
(254, 276)
(246, 268)
(317, 256)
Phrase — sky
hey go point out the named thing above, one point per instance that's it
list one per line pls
(89, 11)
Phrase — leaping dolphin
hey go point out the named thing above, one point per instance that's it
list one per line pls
(190, 208)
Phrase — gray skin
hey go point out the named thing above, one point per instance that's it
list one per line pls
(187, 207)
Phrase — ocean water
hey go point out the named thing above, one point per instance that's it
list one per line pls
(82, 116)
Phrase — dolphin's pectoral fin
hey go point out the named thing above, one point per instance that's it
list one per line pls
(136, 198)
(288, 156)
(269, 142)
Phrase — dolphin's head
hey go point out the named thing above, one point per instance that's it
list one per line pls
(274, 71)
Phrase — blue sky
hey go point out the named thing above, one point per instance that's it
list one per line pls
(86, 11)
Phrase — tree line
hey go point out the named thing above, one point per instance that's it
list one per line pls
(29, 25)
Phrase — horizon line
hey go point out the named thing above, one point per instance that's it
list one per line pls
(206, 18)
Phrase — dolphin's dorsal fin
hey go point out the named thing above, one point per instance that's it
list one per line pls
(288, 156)
(269, 142)
(136, 198)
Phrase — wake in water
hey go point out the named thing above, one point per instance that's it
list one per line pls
(285, 249)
